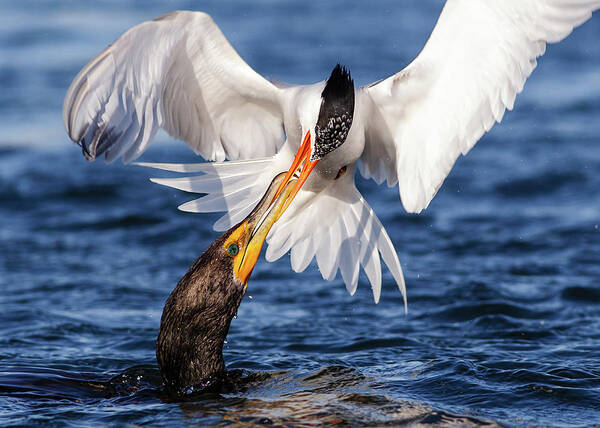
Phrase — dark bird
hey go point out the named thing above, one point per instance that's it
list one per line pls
(197, 314)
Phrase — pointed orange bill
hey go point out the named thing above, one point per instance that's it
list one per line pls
(300, 155)
(249, 236)
(302, 158)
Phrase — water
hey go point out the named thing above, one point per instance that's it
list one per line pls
(502, 269)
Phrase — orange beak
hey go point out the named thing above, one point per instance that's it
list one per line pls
(302, 158)
(251, 233)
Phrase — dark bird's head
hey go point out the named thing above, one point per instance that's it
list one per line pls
(197, 314)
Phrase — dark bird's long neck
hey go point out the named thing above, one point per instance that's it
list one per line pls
(195, 322)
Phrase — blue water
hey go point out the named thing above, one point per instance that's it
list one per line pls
(502, 269)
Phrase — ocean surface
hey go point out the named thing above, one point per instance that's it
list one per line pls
(503, 268)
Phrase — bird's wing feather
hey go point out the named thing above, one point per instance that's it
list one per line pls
(349, 236)
(475, 62)
(179, 73)
(234, 186)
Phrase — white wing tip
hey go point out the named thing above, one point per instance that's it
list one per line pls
(175, 167)
(188, 207)
(376, 297)
(164, 181)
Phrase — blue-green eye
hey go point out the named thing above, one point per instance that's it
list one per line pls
(233, 249)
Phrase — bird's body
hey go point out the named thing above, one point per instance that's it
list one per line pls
(179, 73)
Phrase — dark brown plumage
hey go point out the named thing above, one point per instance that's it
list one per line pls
(198, 313)
(196, 319)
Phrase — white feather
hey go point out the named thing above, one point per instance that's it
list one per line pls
(180, 73)
(475, 62)
(301, 255)
(335, 225)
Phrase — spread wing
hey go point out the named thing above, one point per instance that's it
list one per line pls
(475, 62)
(177, 72)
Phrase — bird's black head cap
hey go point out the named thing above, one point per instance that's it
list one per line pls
(336, 113)
(339, 87)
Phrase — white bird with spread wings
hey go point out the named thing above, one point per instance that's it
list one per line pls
(178, 72)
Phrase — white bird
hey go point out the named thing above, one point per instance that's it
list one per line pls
(178, 72)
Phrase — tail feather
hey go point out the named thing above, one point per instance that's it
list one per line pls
(213, 168)
(349, 253)
(233, 187)
(234, 216)
(390, 257)
(328, 253)
(301, 255)
(204, 183)
(338, 228)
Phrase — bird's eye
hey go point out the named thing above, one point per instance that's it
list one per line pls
(233, 249)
